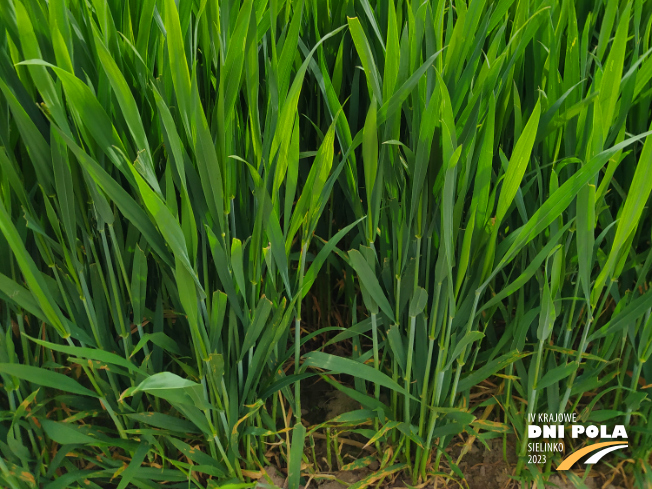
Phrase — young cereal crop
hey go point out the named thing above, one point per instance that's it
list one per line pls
(438, 209)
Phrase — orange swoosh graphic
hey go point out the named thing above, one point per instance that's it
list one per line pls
(568, 462)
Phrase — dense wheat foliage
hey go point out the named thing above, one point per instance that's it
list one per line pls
(438, 207)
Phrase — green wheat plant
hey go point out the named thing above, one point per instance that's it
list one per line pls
(199, 199)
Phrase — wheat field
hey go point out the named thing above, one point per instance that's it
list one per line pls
(207, 208)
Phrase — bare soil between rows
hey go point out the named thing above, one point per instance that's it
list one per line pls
(483, 467)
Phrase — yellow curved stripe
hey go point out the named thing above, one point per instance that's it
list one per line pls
(568, 462)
